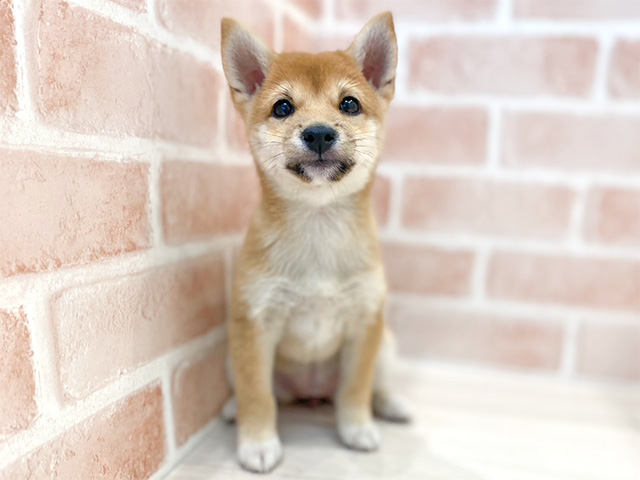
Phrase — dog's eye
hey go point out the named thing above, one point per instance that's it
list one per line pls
(350, 106)
(282, 109)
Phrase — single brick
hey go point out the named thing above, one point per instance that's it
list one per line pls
(199, 390)
(494, 339)
(572, 142)
(454, 205)
(17, 395)
(203, 200)
(124, 441)
(436, 135)
(8, 67)
(573, 281)
(562, 66)
(157, 93)
(624, 71)
(59, 211)
(380, 199)
(414, 269)
(107, 329)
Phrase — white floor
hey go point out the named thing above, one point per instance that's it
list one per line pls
(468, 426)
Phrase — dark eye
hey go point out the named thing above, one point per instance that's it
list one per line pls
(282, 109)
(350, 106)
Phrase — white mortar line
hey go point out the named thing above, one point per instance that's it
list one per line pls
(526, 176)
(543, 103)
(524, 245)
(479, 278)
(541, 312)
(328, 13)
(169, 413)
(578, 216)
(48, 427)
(601, 79)
(490, 28)
(570, 348)
(396, 184)
(25, 101)
(155, 202)
(48, 394)
(14, 289)
(278, 24)
(504, 13)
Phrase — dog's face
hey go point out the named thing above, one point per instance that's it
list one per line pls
(314, 122)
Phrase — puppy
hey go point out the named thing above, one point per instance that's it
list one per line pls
(309, 293)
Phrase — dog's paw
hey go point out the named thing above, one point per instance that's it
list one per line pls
(391, 409)
(260, 457)
(364, 437)
(230, 410)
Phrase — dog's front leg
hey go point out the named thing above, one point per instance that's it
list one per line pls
(353, 399)
(252, 355)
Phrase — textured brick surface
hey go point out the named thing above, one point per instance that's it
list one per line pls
(436, 135)
(138, 5)
(624, 73)
(201, 19)
(609, 351)
(418, 10)
(107, 329)
(124, 441)
(475, 206)
(59, 211)
(476, 337)
(594, 10)
(572, 142)
(17, 395)
(202, 200)
(158, 92)
(504, 66)
(613, 216)
(8, 70)
(429, 271)
(573, 281)
(199, 390)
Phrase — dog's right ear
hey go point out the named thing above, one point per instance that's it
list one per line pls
(245, 60)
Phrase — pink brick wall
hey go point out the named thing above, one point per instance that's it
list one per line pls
(508, 200)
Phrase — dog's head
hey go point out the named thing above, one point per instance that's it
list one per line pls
(314, 122)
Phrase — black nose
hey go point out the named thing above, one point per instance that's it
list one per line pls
(319, 138)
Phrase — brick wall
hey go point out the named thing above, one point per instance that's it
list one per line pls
(511, 224)
(508, 200)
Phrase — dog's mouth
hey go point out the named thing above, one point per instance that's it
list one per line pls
(331, 169)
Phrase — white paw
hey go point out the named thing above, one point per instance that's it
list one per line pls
(391, 408)
(365, 436)
(260, 457)
(230, 410)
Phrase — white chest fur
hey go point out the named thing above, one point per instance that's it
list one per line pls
(321, 283)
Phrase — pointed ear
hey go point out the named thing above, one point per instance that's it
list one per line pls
(376, 52)
(245, 59)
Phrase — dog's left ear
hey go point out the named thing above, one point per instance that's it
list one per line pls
(375, 50)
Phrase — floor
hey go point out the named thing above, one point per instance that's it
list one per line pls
(469, 426)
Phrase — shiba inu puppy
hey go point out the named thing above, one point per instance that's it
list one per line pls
(309, 293)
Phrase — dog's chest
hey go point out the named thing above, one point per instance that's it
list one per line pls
(321, 286)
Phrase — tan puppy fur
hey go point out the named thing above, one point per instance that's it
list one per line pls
(309, 294)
